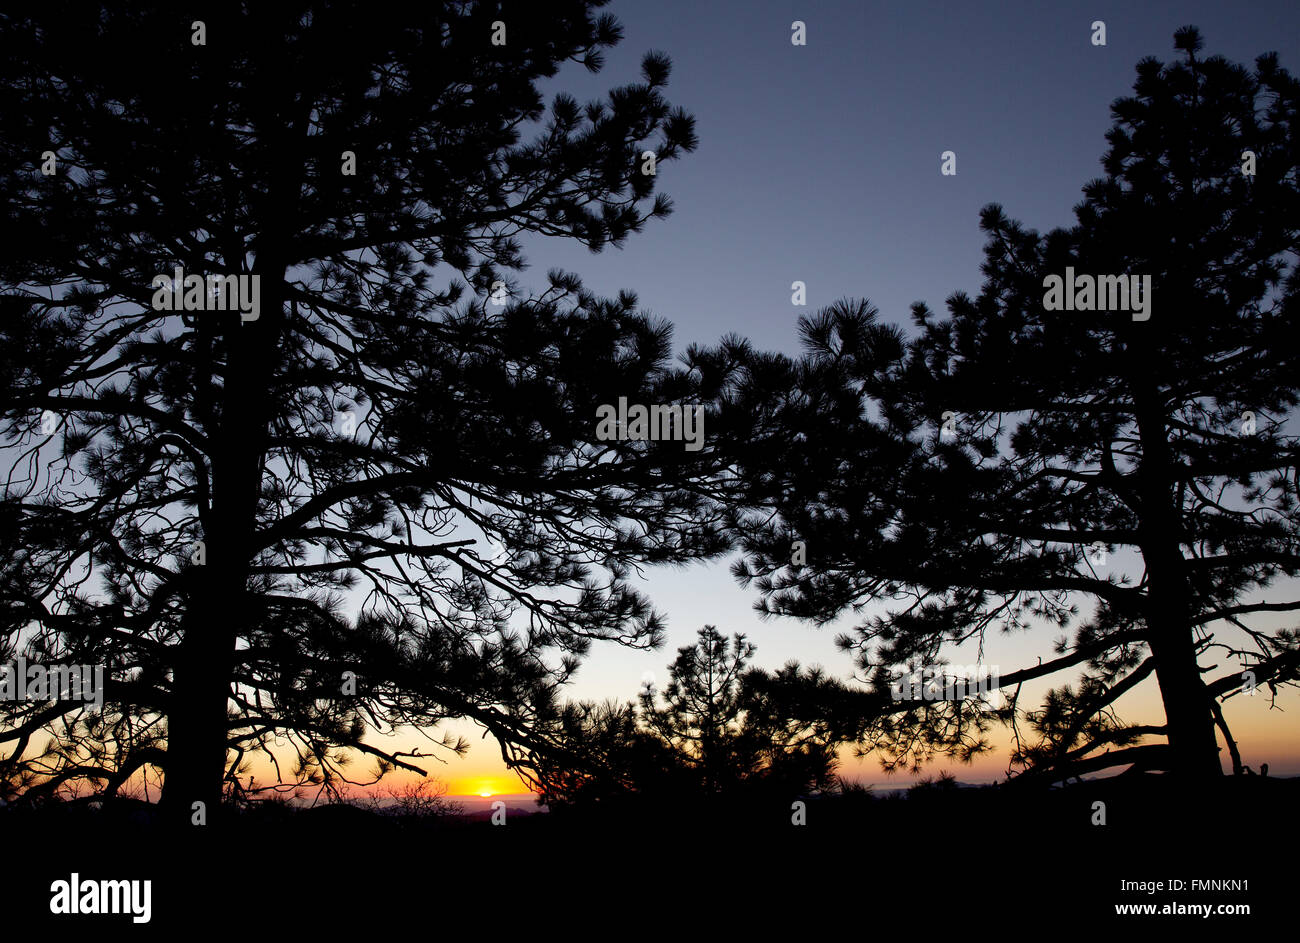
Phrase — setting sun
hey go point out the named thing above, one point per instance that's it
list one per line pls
(484, 786)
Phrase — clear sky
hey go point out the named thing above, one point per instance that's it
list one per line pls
(821, 164)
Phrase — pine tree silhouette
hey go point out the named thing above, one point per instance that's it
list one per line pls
(192, 493)
(976, 475)
(719, 728)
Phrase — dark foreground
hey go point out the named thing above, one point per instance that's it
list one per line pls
(942, 863)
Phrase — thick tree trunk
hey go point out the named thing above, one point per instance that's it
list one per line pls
(196, 730)
(215, 613)
(219, 606)
(217, 603)
(1189, 714)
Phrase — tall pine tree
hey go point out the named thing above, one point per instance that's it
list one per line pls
(192, 496)
(1012, 464)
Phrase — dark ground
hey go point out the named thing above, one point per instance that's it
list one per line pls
(941, 863)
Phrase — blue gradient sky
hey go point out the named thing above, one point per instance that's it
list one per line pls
(821, 164)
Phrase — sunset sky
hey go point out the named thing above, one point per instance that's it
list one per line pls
(821, 164)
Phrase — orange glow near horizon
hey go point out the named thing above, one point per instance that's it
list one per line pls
(485, 786)
(1263, 734)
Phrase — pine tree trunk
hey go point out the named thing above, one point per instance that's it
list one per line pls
(1188, 714)
(196, 731)
(1189, 717)
(217, 602)
(214, 614)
